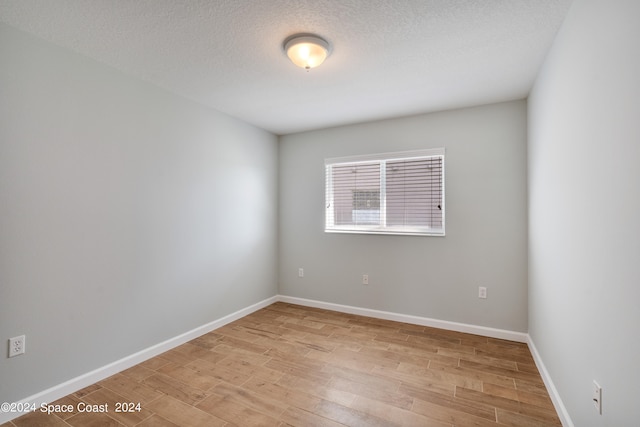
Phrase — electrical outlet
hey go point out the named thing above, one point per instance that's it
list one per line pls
(482, 292)
(365, 279)
(597, 397)
(16, 345)
(301, 272)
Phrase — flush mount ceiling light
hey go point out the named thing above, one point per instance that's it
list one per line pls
(306, 50)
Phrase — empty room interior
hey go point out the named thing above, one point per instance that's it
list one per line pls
(182, 214)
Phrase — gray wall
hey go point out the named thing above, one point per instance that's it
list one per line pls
(584, 263)
(435, 277)
(128, 215)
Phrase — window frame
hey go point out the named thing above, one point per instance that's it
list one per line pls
(381, 159)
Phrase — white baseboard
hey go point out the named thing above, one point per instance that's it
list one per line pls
(54, 393)
(563, 414)
(406, 318)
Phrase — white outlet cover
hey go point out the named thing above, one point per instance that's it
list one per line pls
(597, 397)
(482, 292)
(17, 345)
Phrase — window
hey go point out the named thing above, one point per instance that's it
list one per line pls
(393, 193)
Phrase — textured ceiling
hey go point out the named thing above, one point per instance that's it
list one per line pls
(389, 57)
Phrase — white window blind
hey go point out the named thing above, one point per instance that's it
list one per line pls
(393, 193)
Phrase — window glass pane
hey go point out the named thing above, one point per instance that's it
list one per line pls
(356, 194)
(414, 193)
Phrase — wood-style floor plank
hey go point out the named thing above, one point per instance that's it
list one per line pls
(288, 365)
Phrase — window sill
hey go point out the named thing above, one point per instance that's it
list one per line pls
(387, 231)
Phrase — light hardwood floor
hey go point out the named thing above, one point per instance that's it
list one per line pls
(293, 365)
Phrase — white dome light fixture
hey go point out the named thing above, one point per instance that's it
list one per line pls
(306, 50)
